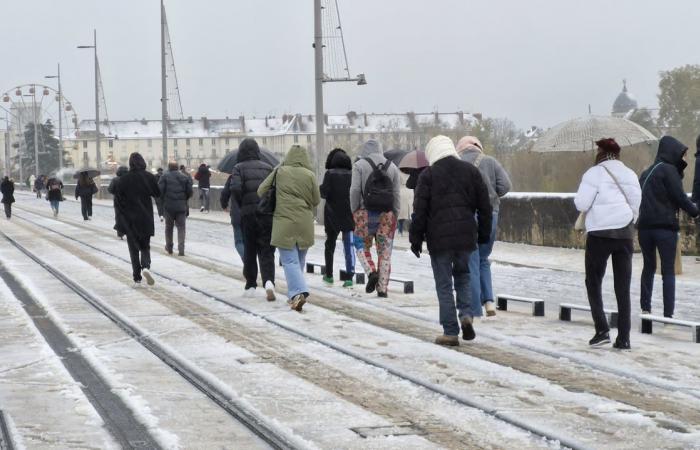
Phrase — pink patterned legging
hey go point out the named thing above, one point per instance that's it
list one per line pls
(384, 243)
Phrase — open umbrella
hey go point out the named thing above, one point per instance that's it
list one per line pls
(412, 161)
(231, 159)
(395, 155)
(91, 173)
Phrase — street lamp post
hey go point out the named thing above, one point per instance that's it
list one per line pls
(98, 157)
(36, 133)
(60, 118)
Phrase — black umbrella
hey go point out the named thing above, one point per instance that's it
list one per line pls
(91, 173)
(395, 155)
(231, 159)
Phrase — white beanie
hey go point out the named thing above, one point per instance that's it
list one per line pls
(438, 148)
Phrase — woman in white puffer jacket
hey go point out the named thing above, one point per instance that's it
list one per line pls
(610, 196)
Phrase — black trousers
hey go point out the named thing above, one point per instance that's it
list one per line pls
(140, 254)
(598, 250)
(8, 209)
(86, 206)
(257, 249)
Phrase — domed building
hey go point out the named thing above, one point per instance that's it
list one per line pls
(624, 103)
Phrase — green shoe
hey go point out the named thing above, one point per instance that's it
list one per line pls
(328, 280)
(347, 283)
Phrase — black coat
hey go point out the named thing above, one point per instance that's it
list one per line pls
(7, 188)
(54, 188)
(662, 188)
(112, 189)
(175, 189)
(335, 188)
(448, 195)
(87, 190)
(133, 195)
(228, 201)
(247, 176)
(203, 176)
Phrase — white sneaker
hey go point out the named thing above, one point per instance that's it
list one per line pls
(250, 292)
(270, 291)
(149, 278)
(490, 309)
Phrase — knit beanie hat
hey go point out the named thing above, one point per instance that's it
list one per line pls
(469, 142)
(438, 148)
(607, 149)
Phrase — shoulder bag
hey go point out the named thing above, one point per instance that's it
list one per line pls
(268, 202)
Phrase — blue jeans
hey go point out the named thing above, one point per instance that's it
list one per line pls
(449, 266)
(54, 204)
(665, 241)
(293, 262)
(480, 272)
(238, 238)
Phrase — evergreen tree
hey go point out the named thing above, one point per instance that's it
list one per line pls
(49, 152)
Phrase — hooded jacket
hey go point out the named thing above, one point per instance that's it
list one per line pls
(175, 189)
(247, 176)
(133, 195)
(662, 188)
(203, 176)
(53, 190)
(336, 190)
(362, 169)
(111, 188)
(7, 188)
(297, 196)
(449, 194)
(494, 175)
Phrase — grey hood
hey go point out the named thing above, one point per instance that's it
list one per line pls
(372, 149)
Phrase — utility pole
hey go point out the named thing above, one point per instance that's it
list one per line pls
(318, 61)
(98, 156)
(36, 134)
(163, 88)
(60, 117)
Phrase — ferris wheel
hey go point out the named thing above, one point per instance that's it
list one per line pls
(36, 103)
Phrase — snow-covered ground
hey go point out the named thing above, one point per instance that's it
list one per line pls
(539, 371)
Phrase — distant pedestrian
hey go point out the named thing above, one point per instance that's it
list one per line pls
(39, 184)
(111, 189)
(84, 190)
(134, 193)
(203, 176)
(246, 178)
(609, 194)
(452, 213)
(297, 194)
(337, 215)
(54, 194)
(375, 199)
(230, 205)
(159, 201)
(175, 190)
(498, 183)
(186, 172)
(406, 206)
(7, 188)
(662, 197)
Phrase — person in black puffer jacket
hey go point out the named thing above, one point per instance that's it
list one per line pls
(84, 190)
(451, 198)
(111, 189)
(337, 215)
(133, 195)
(175, 189)
(203, 176)
(662, 197)
(7, 188)
(247, 175)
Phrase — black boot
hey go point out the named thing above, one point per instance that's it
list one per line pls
(600, 339)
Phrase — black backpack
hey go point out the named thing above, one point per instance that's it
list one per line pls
(378, 194)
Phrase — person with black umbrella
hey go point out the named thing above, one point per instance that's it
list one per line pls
(133, 195)
(84, 190)
(7, 188)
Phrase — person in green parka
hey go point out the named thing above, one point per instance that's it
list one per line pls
(297, 194)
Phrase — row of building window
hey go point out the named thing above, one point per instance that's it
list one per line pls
(149, 142)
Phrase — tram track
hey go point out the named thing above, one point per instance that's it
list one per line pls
(507, 417)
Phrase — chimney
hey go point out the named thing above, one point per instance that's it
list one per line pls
(205, 123)
(242, 120)
(366, 121)
(267, 124)
(460, 114)
(325, 119)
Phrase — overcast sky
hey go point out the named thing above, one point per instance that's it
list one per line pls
(537, 62)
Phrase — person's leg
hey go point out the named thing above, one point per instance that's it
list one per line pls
(89, 205)
(597, 252)
(622, 271)
(145, 248)
(441, 263)
(250, 252)
(363, 241)
(266, 252)
(169, 223)
(667, 241)
(349, 254)
(134, 256)
(292, 272)
(474, 283)
(238, 240)
(8, 212)
(181, 224)
(331, 237)
(462, 278)
(385, 245)
(83, 207)
(206, 200)
(485, 265)
(648, 246)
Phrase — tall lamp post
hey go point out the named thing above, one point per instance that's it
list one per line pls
(98, 156)
(163, 87)
(60, 117)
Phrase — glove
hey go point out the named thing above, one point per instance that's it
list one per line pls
(416, 249)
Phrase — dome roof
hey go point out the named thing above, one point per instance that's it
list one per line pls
(579, 135)
(625, 102)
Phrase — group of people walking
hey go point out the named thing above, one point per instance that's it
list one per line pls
(613, 202)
